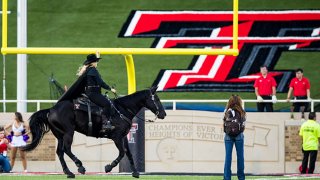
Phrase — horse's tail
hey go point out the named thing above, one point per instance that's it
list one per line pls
(39, 126)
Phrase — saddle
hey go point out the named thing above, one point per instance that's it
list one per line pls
(84, 104)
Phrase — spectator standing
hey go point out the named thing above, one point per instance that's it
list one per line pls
(235, 113)
(4, 144)
(301, 90)
(310, 133)
(19, 129)
(265, 89)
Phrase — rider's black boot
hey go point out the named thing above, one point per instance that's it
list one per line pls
(106, 125)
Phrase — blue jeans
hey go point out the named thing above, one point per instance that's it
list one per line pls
(229, 141)
(4, 163)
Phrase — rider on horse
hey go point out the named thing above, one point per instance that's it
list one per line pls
(90, 83)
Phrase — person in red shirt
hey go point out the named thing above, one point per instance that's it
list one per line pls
(265, 89)
(301, 90)
(4, 161)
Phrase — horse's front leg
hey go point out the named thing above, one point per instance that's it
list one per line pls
(60, 153)
(119, 144)
(67, 139)
(135, 173)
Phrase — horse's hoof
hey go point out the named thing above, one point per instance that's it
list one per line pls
(135, 174)
(68, 173)
(71, 176)
(108, 168)
(82, 170)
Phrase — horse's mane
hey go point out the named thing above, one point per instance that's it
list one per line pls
(132, 99)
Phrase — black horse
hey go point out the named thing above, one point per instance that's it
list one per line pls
(63, 120)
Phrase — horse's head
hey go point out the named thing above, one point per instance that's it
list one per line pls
(153, 104)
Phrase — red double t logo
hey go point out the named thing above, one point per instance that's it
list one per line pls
(263, 37)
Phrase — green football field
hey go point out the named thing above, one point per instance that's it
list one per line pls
(148, 177)
(97, 23)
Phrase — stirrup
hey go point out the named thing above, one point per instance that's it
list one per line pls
(109, 128)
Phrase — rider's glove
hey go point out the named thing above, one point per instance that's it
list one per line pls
(113, 90)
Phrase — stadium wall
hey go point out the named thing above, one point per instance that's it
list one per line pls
(186, 141)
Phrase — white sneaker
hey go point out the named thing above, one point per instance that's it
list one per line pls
(25, 171)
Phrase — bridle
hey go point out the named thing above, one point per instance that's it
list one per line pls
(155, 104)
(146, 120)
(157, 111)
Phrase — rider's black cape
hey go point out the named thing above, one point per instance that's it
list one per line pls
(76, 89)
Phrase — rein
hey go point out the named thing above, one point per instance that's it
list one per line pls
(120, 114)
(146, 120)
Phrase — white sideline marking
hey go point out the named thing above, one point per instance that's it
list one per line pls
(280, 178)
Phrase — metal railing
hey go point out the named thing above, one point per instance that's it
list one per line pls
(38, 102)
(244, 101)
(174, 102)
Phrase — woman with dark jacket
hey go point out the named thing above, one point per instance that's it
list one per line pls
(93, 86)
(234, 136)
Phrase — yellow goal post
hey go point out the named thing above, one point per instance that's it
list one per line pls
(127, 52)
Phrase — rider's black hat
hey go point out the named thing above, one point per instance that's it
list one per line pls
(91, 58)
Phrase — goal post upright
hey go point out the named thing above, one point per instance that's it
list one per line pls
(235, 26)
(4, 24)
(4, 45)
(130, 74)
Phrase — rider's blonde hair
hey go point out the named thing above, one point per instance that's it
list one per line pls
(82, 69)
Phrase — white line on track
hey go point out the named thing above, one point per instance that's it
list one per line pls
(281, 178)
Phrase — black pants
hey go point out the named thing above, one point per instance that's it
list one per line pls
(297, 106)
(313, 158)
(101, 101)
(268, 106)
